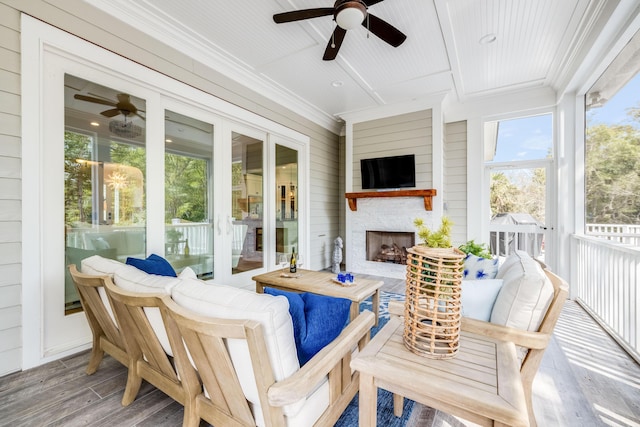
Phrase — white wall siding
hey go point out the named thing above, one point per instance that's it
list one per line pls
(10, 191)
(455, 179)
(395, 136)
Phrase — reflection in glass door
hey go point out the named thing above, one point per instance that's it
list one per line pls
(246, 226)
(104, 176)
(286, 201)
(188, 178)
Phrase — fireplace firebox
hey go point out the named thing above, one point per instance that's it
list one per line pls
(389, 246)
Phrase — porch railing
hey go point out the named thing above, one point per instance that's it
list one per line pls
(504, 239)
(621, 233)
(605, 283)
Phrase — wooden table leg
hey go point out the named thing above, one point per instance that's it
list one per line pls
(259, 288)
(398, 403)
(354, 310)
(376, 304)
(367, 401)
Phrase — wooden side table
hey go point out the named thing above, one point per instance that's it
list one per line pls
(481, 384)
(321, 283)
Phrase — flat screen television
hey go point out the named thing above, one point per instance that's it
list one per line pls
(388, 172)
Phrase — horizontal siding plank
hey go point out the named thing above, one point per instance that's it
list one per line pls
(10, 253)
(10, 146)
(10, 339)
(10, 361)
(10, 167)
(10, 317)
(10, 232)
(10, 189)
(9, 102)
(392, 120)
(10, 210)
(10, 274)
(9, 17)
(9, 60)
(10, 124)
(10, 296)
(10, 82)
(10, 38)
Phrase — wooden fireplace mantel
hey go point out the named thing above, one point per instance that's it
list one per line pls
(427, 194)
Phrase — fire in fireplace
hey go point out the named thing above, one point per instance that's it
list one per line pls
(389, 246)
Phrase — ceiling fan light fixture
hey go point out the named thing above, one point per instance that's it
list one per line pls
(350, 15)
(124, 129)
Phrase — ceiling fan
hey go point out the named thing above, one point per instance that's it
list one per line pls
(348, 14)
(124, 105)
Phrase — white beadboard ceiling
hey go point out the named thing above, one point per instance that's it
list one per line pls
(536, 45)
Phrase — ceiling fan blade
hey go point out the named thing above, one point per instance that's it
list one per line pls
(111, 113)
(370, 3)
(94, 100)
(298, 15)
(384, 30)
(334, 44)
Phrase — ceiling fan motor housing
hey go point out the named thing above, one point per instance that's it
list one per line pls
(350, 13)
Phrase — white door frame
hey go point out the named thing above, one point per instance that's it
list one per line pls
(46, 54)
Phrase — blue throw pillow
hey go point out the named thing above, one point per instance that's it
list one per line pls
(317, 320)
(478, 268)
(154, 264)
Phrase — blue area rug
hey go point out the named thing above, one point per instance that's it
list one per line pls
(386, 418)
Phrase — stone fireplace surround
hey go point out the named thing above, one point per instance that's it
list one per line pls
(382, 214)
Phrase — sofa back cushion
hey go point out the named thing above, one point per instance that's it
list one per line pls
(132, 279)
(272, 312)
(525, 295)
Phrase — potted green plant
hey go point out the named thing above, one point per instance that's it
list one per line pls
(478, 249)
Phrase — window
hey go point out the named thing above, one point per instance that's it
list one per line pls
(612, 146)
(518, 154)
(104, 176)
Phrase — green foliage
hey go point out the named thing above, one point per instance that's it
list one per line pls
(519, 190)
(440, 238)
(612, 174)
(185, 188)
(478, 249)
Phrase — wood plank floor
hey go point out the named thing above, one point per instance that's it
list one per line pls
(585, 379)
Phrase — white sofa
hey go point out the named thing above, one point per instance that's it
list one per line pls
(293, 398)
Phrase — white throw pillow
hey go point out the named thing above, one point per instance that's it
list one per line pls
(134, 280)
(99, 266)
(187, 273)
(525, 295)
(478, 268)
(478, 297)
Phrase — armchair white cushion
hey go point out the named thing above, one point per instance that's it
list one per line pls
(273, 313)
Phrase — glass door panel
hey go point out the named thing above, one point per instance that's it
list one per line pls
(518, 197)
(188, 166)
(286, 201)
(104, 176)
(246, 226)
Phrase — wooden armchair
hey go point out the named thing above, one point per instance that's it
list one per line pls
(148, 359)
(224, 400)
(535, 341)
(107, 336)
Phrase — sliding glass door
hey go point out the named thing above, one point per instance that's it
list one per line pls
(188, 190)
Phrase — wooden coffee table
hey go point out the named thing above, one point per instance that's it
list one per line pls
(481, 383)
(321, 283)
